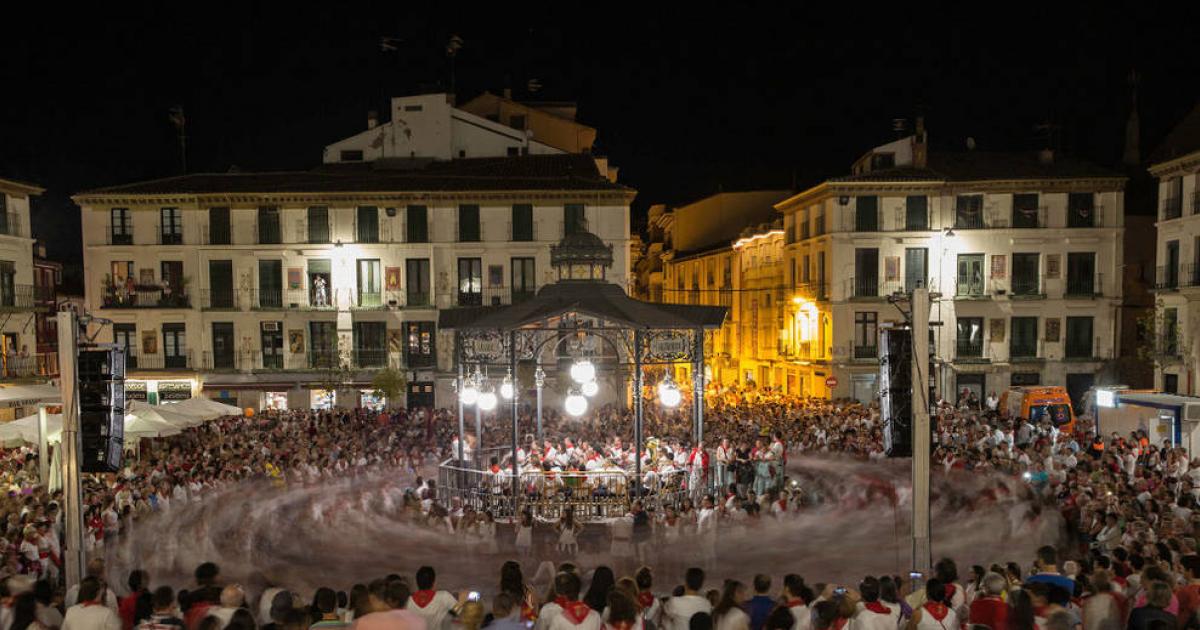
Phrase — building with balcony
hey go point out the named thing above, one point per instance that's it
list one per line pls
(20, 301)
(266, 289)
(1024, 250)
(1172, 337)
(726, 250)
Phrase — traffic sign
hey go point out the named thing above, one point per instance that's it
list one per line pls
(831, 382)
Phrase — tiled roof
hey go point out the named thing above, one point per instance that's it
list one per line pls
(535, 172)
(986, 165)
(1183, 139)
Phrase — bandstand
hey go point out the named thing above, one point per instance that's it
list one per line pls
(573, 335)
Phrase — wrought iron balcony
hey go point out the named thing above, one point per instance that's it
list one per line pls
(29, 366)
(143, 296)
(180, 361)
(968, 349)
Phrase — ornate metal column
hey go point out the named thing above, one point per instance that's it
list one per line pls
(637, 411)
(698, 385)
(462, 436)
(516, 468)
(539, 381)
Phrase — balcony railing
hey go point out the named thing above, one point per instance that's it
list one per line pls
(968, 349)
(866, 352)
(168, 236)
(1166, 277)
(266, 299)
(219, 300)
(323, 359)
(872, 287)
(970, 287)
(531, 235)
(36, 365)
(11, 225)
(370, 358)
(123, 235)
(418, 298)
(19, 297)
(1025, 287)
(1087, 286)
(1172, 208)
(181, 361)
(1023, 351)
(44, 295)
(149, 296)
(493, 296)
(221, 361)
(268, 233)
(301, 299)
(1189, 275)
(1027, 218)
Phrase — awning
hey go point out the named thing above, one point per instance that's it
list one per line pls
(24, 395)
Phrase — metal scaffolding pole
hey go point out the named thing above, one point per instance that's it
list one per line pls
(638, 412)
(921, 552)
(516, 470)
(68, 357)
(698, 386)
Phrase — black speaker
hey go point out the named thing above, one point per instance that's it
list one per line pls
(896, 391)
(101, 409)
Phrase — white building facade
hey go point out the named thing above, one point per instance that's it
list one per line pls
(273, 289)
(1175, 345)
(1024, 251)
(19, 301)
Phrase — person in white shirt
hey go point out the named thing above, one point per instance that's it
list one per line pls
(796, 597)
(232, 598)
(728, 614)
(429, 603)
(677, 611)
(90, 613)
(566, 612)
(872, 613)
(934, 614)
(95, 569)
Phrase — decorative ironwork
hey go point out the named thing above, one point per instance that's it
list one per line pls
(483, 346)
(669, 345)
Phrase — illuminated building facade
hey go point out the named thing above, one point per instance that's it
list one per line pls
(21, 298)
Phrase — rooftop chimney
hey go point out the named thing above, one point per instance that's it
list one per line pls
(1046, 156)
(920, 148)
(372, 119)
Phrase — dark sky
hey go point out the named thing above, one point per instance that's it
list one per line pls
(687, 99)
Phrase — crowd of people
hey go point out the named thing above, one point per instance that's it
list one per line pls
(1130, 507)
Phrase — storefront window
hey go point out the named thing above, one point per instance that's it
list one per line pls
(323, 399)
(370, 401)
(275, 400)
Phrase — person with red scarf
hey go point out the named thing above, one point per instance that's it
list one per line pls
(796, 596)
(566, 612)
(874, 614)
(934, 614)
(649, 604)
(429, 603)
(989, 608)
(138, 583)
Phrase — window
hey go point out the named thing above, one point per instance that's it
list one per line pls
(916, 268)
(322, 351)
(418, 225)
(1170, 332)
(574, 218)
(218, 226)
(268, 226)
(351, 155)
(121, 228)
(470, 282)
(172, 226)
(1170, 273)
(968, 212)
(369, 285)
(819, 228)
(1025, 280)
(370, 344)
(1081, 273)
(272, 345)
(866, 344)
(8, 288)
(1025, 210)
(171, 273)
(413, 108)
(1025, 379)
(805, 269)
(1081, 210)
(220, 282)
(524, 280)
(512, 151)
(1023, 337)
(1173, 199)
(866, 214)
(222, 346)
(320, 283)
(417, 281)
(368, 224)
(970, 275)
(522, 222)
(880, 161)
(916, 212)
(468, 223)
(419, 348)
(1171, 383)
(866, 272)
(174, 346)
(805, 227)
(821, 291)
(969, 337)
(270, 284)
(125, 336)
(1079, 338)
(318, 224)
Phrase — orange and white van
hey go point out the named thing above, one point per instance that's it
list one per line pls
(1037, 403)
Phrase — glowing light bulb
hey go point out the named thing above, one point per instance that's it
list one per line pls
(590, 388)
(506, 388)
(575, 404)
(583, 371)
(469, 395)
(487, 401)
(670, 397)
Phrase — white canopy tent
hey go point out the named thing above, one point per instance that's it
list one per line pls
(201, 408)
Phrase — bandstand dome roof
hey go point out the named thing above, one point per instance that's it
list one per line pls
(581, 248)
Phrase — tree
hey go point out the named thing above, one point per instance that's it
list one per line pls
(1159, 340)
(389, 384)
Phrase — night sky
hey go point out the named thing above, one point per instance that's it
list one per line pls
(687, 100)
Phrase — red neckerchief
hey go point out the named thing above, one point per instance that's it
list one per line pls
(645, 599)
(422, 598)
(562, 601)
(575, 612)
(876, 607)
(621, 625)
(1039, 611)
(937, 609)
(839, 623)
(793, 603)
(91, 603)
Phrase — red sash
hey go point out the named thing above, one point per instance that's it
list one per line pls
(645, 599)
(422, 598)
(575, 612)
(876, 607)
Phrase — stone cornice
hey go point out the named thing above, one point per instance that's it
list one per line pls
(1184, 165)
(352, 198)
